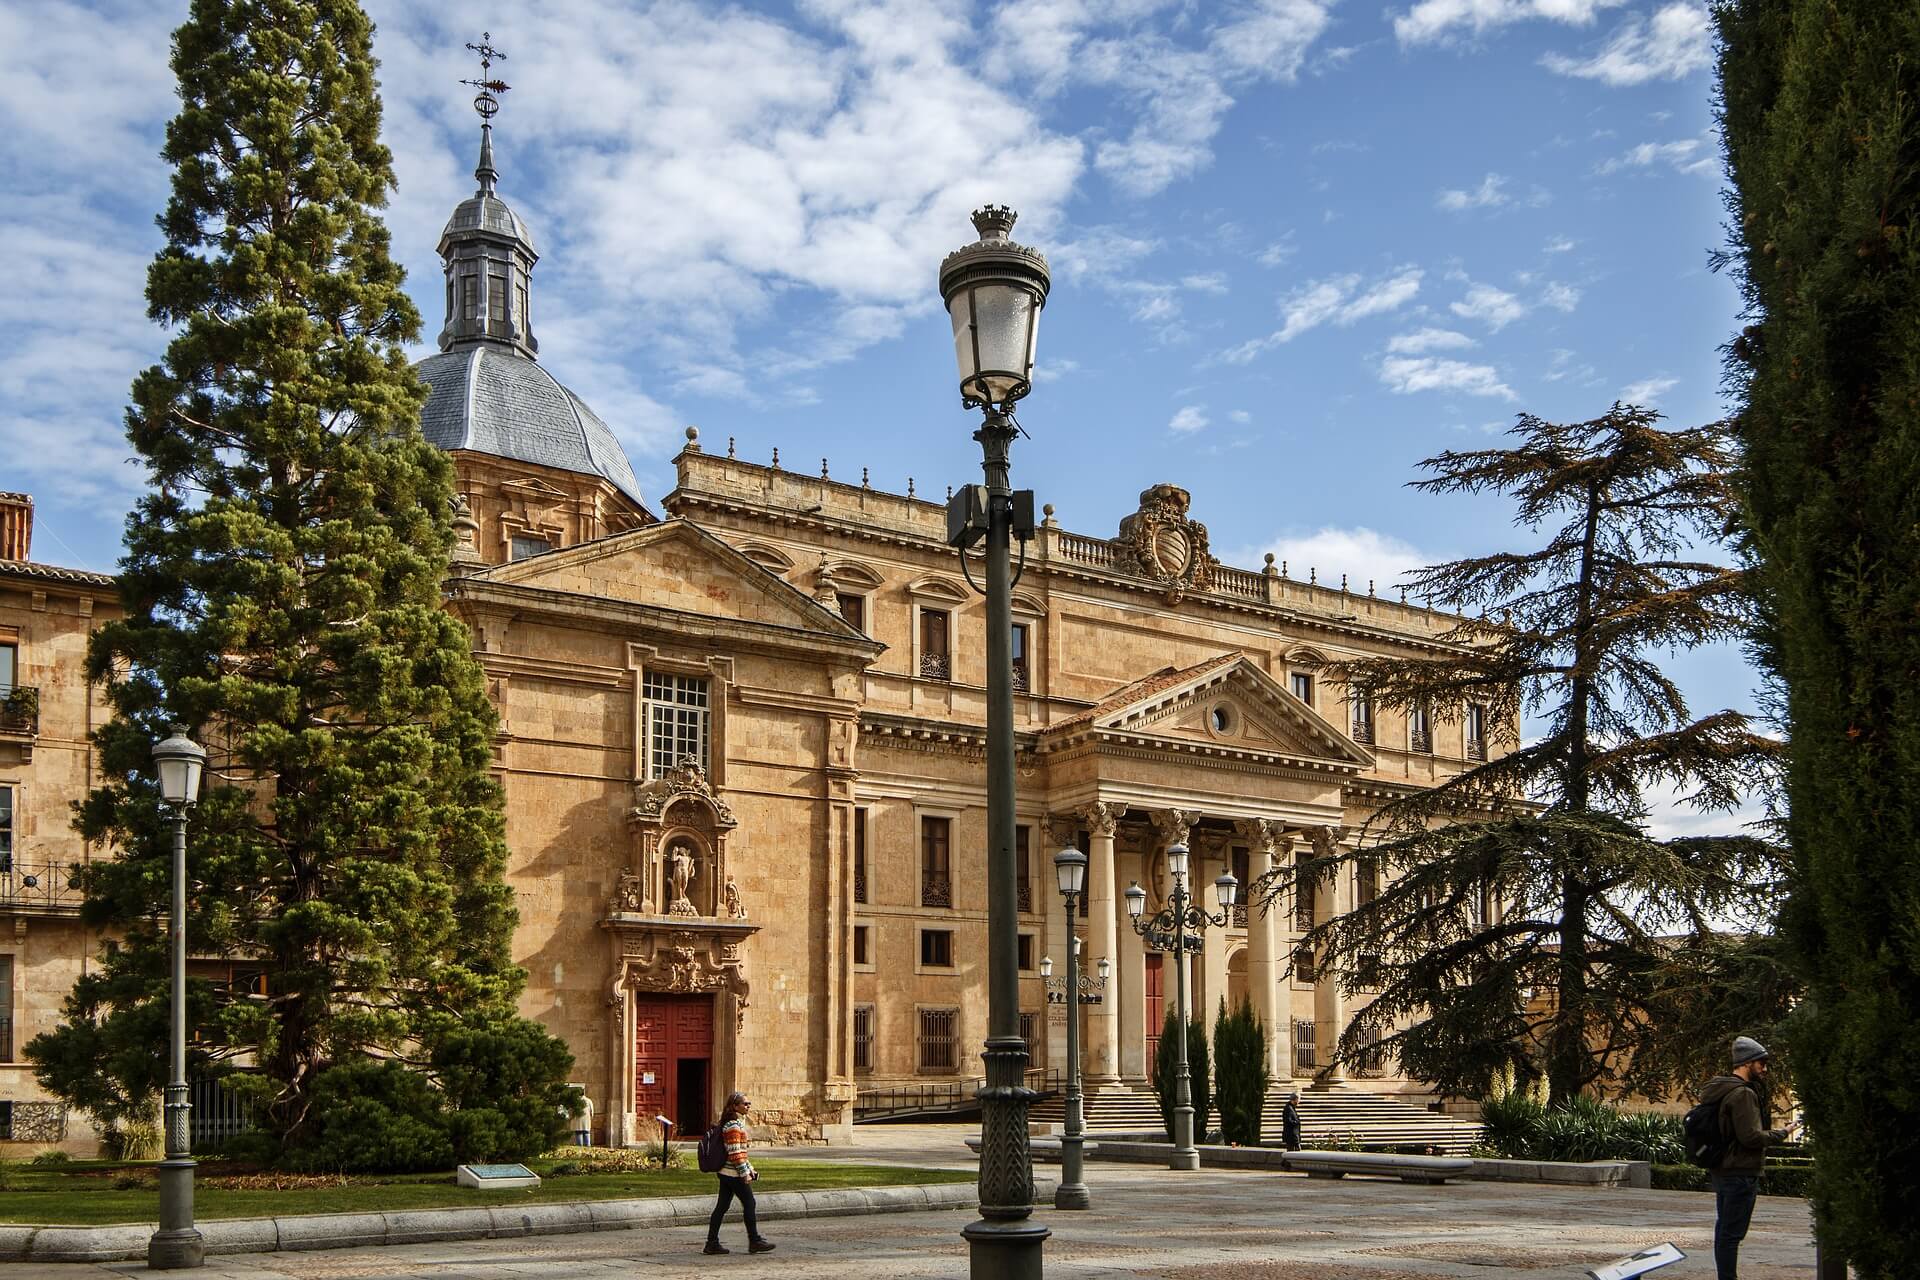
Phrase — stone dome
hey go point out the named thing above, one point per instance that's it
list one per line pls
(489, 399)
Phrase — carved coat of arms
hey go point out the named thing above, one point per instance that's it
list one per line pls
(1159, 542)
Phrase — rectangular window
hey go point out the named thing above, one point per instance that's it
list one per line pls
(1362, 715)
(497, 301)
(860, 887)
(520, 310)
(860, 953)
(1023, 866)
(1366, 973)
(936, 883)
(1022, 674)
(6, 829)
(1304, 892)
(936, 948)
(1303, 687)
(1036, 1043)
(936, 661)
(1366, 881)
(1303, 970)
(1243, 872)
(6, 1009)
(863, 1037)
(524, 545)
(854, 609)
(1419, 728)
(1025, 953)
(938, 1040)
(470, 297)
(9, 668)
(678, 721)
(1476, 731)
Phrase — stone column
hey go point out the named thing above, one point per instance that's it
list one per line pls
(1129, 989)
(1104, 927)
(1267, 845)
(1329, 1004)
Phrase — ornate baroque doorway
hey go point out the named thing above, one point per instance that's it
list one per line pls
(673, 1059)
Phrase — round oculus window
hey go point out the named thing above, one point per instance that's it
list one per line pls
(1220, 719)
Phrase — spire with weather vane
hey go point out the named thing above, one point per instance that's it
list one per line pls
(487, 250)
(487, 103)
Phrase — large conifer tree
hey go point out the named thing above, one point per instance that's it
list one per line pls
(281, 582)
(1821, 119)
(1524, 913)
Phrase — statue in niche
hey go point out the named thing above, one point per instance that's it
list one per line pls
(681, 871)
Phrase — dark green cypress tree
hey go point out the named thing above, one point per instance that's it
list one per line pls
(1818, 107)
(1165, 1082)
(282, 591)
(1241, 1073)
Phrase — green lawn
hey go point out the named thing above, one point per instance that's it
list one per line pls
(84, 1193)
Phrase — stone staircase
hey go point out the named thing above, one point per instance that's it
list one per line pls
(1328, 1117)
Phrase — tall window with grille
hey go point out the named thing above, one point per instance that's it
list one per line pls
(1023, 866)
(936, 657)
(1366, 881)
(937, 1041)
(1419, 728)
(497, 324)
(1362, 719)
(6, 829)
(1022, 673)
(860, 886)
(863, 1037)
(936, 862)
(1243, 872)
(679, 721)
(1476, 731)
(470, 297)
(1305, 894)
(6, 1008)
(1036, 1042)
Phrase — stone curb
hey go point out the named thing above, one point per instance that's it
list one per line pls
(424, 1226)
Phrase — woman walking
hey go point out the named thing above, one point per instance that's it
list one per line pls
(736, 1178)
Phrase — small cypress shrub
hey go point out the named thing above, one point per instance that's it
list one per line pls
(1241, 1073)
(1165, 1078)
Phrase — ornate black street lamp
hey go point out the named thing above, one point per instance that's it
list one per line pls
(1167, 930)
(993, 290)
(177, 1243)
(1077, 989)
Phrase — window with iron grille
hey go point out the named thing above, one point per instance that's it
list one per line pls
(6, 1008)
(1243, 872)
(6, 829)
(1036, 1042)
(863, 1037)
(1022, 674)
(1419, 729)
(860, 855)
(938, 1041)
(936, 948)
(1023, 866)
(470, 297)
(936, 867)
(1366, 881)
(1303, 687)
(1306, 1060)
(1305, 893)
(1476, 731)
(497, 305)
(936, 660)
(1362, 707)
(1303, 967)
(854, 609)
(678, 721)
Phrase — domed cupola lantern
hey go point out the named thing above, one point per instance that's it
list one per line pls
(486, 249)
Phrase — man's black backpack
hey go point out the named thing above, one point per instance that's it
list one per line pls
(713, 1150)
(1703, 1135)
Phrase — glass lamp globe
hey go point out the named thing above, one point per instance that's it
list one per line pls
(179, 760)
(993, 290)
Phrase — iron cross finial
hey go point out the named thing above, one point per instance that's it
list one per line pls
(487, 101)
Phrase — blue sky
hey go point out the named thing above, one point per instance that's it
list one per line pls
(1297, 244)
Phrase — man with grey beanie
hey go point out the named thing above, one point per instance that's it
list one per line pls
(1736, 1179)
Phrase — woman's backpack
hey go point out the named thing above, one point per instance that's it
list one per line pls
(713, 1150)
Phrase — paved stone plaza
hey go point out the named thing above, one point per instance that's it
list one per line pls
(1146, 1222)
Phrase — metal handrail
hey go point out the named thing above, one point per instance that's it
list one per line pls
(39, 884)
(944, 1095)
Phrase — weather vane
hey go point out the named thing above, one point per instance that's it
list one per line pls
(487, 101)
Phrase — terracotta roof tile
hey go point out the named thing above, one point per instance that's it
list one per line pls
(1146, 687)
(55, 573)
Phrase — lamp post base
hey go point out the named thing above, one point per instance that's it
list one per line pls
(177, 1244)
(1072, 1195)
(1187, 1158)
(1005, 1250)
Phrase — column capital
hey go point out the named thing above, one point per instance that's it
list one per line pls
(1100, 818)
(1265, 835)
(1173, 825)
(1326, 840)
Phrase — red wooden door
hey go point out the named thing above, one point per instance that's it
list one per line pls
(672, 1060)
(1156, 1010)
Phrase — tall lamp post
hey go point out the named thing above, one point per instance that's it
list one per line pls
(993, 290)
(177, 1243)
(1071, 866)
(1166, 930)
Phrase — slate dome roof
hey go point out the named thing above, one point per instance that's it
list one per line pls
(491, 400)
(485, 211)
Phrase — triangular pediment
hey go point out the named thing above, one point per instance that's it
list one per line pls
(679, 566)
(1226, 704)
(529, 486)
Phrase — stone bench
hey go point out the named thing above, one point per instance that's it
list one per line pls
(1432, 1170)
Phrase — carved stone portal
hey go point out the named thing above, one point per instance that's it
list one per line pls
(682, 957)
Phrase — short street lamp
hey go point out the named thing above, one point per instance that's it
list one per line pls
(177, 1243)
(1166, 930)
(993, 290)
(1075, 990)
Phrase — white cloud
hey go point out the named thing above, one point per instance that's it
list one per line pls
(1404, 375)
(1495, 308)
(1364, 555)
(1278, 252)
(1563, 368)
(1648, 391)
(1422, 341)
(1188, 419)
(1207, 282)
(1240, 416)
(1561, 297)
(1439, 20)
(1559, 244)
(1340, 300)
(1676, 42)
(1688, 155)
(1488, 195)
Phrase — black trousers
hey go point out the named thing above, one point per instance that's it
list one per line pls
(732, 1189)
(1733, 1195)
